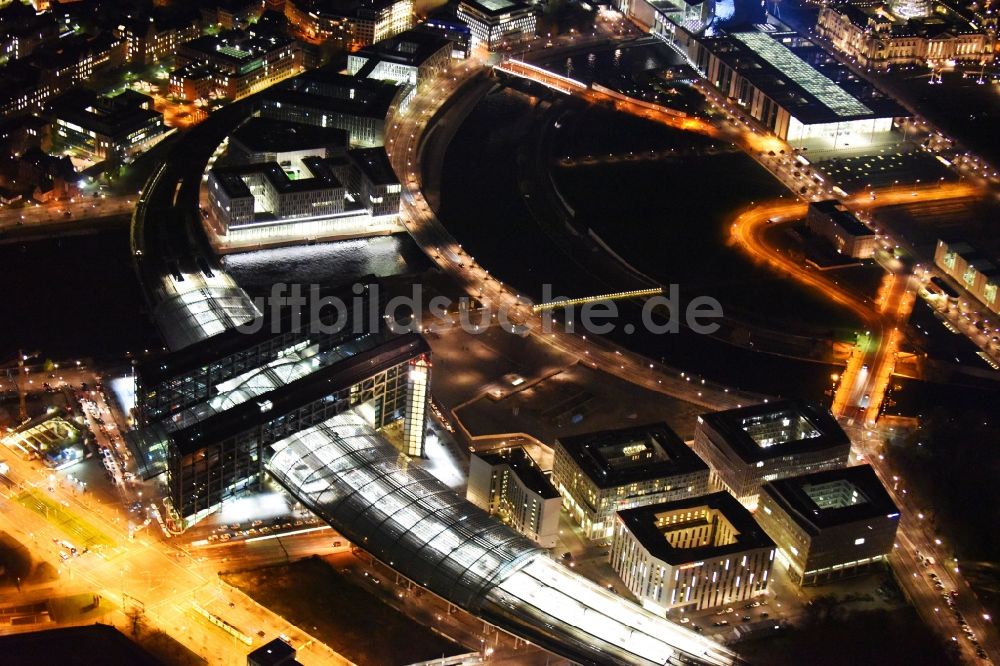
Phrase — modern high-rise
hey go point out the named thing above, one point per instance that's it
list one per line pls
(691, 554)
(497, 22)
(212, 410)
(749, 446)
(829, 525)
(600, 473)
(509, 484)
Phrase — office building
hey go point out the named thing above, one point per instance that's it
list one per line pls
(326, 98)
(27, 84)
(829, 525)
(230, 14)
(303, 196)
(974, 271)
(151, 39)
(211, 411)
(352, 23)
(691, 554)
(782, 82)
(903, 34)
(833, 221)
(509, 484)
(115, 128)
(749, 446)
(240, 64)
(408, 58)
(447, 25)
(497, 22)
(249, 194)
(374, 181)
(603, 472)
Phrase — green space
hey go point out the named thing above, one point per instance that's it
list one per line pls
(313, 595)
(80, 532)
(830, 636)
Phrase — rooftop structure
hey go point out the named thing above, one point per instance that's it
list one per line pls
(776, 77)
(510, 484)
(603, 472)
(829, 524)
(768, 441)
(691, 554)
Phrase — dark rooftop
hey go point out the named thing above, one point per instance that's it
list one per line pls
(801, 428)
(374, 164)
(813, 501)
(408, 48)
(231, 341)
(784, 75)
(274, 653)
(612, 458)
(264, 135)
(748, 535)
(844, 218)
(525, 468)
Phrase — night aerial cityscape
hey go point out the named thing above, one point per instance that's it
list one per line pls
(515, 332)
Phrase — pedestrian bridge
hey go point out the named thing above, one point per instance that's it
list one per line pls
(348, 475)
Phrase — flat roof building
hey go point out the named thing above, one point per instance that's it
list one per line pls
(510, 485)
(304, 195)
(497, 22)
(267, 140)
(600, 473)
(327, 98)
(748, 446)
(113, 128)
(830, 524)
(691, 554)
(409, 58)
(782, 82)
(242, 64)
(211, 411)
(836, 223)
